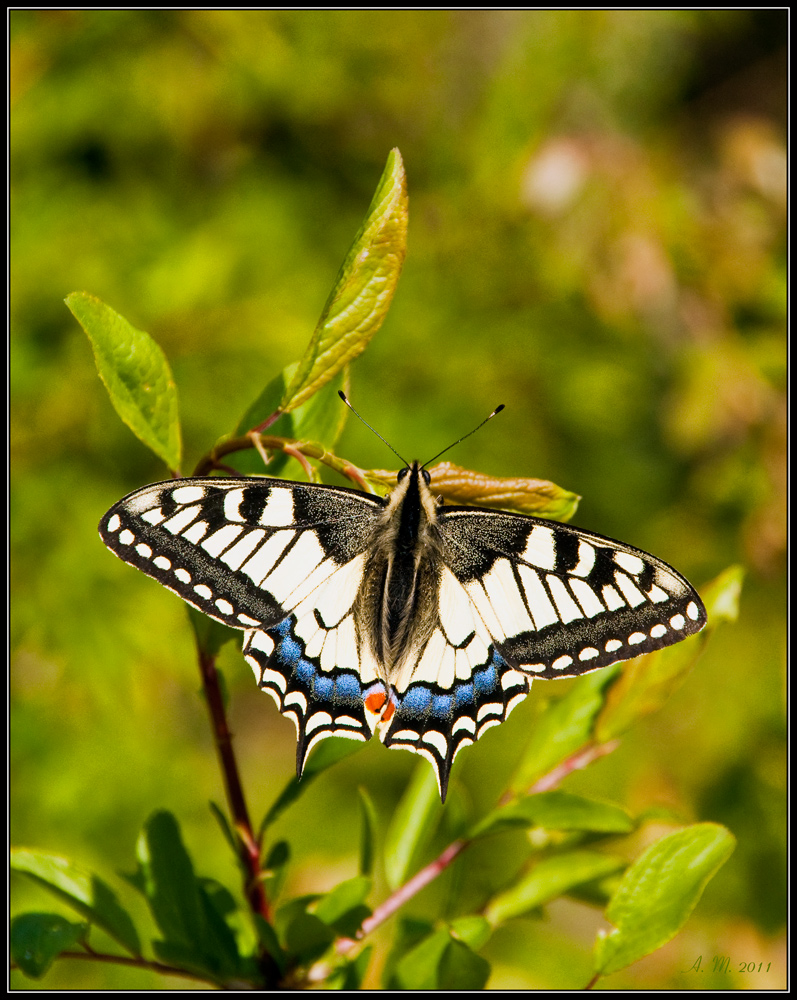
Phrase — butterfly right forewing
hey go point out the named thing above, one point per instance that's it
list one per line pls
(560, 601)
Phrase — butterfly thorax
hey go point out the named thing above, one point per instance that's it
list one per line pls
(398, 595)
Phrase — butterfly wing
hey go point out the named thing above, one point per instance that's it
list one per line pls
(560, 601)
(280, 560)
(520, 598)
(243, 551)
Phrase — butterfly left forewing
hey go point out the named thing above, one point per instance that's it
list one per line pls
(243, 551)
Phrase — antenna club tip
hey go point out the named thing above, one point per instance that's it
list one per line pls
(342, 395)
(499, 408)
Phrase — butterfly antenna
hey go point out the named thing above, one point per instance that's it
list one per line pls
(495, 411)
(370, 428)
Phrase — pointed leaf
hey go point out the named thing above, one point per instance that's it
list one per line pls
(344, 907)
(136, 374)
(418, 969)
(302, 933)
(37, 939)
(413, 821)
(549, 879)
(564, 727)
(474, 930)
(557, 811)
(82, 890)
(190, 917)
(210, 635)
(170, 884)
(440, 962)
(461, 969)
(476, 489)
(363, 290)
(268, 938)
(275, 870)
(659, 891)
(645, 683)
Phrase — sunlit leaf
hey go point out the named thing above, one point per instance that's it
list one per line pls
(476, 489)
(474, 930)
(549, 879)
(136, 374)
(364, 288)
(557, 810)
(659, 891)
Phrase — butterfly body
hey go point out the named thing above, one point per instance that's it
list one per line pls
(422, 622)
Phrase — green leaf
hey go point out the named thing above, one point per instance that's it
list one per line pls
(190, 917)
(658, 892)
(321, 419)
(82, 890)
(418, 969)
(557, 811)
(462, 969)
(368, 827)
(224, 824)
(343, 908)
(474, 930)
(323, 756)
(267, 936)
(646, 682)
(362, 292)
(413, 821)
(549, 879)
(440, 963)
(304, 935)
(37, 939)
(136, 374)
(464, 486)
(564, 727)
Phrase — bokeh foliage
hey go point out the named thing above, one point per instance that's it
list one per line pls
(597, 239)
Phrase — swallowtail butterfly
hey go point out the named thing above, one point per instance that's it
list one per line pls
(424, 622)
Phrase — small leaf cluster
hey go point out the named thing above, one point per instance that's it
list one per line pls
(572, 845)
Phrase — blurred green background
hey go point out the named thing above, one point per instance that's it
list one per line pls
(597, 240)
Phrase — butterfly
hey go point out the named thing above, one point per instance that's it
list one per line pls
(423, 622)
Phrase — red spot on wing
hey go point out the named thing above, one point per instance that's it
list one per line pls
(375, 701)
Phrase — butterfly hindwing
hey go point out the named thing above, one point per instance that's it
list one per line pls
(317, 666)
(458, 687)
